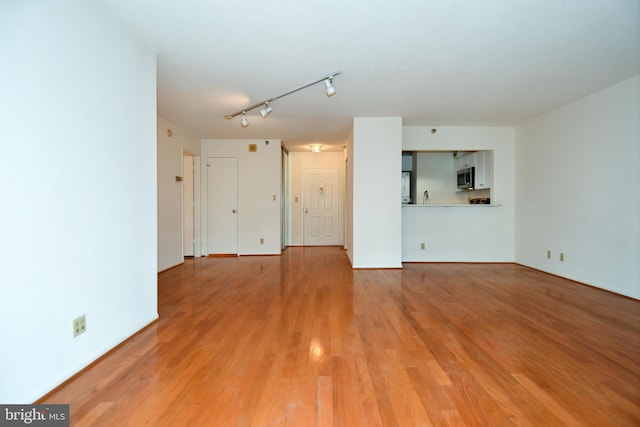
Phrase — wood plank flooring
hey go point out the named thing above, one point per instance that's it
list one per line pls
(303, 340)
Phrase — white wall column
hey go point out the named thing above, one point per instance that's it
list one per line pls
(376, 205)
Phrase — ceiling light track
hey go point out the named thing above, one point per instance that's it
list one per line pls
(330, 90)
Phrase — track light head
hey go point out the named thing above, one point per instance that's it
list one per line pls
(266, 110)
(243, 121)
(330, 89)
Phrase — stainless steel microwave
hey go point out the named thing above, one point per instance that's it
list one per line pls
(466, 178)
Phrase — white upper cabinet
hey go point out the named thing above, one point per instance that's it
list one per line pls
(466, 161)
(484, 169)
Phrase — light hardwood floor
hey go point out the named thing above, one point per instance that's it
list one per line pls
(303, 340)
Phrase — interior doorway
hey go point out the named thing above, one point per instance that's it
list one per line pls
(188, 206)
(284, 199)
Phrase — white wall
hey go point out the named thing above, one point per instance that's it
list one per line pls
(78, 186)
(170, 165)
(258, 181)
(298, 161)
(469, 233)
(578, 191)
(376, 212)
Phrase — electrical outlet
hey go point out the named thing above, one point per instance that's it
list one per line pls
(422, 246)
(79, 325)
(262, 241)
(561, 257)
(548, 254)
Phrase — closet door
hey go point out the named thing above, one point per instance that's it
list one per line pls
(222, 205)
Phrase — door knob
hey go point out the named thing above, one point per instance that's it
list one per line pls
(234, 211)
(306, 210)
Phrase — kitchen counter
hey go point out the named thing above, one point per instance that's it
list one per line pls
(449, 204)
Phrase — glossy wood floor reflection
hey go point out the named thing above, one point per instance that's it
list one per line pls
(303, 340)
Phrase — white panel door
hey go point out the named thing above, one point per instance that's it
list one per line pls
(321, 200)
(222, 205)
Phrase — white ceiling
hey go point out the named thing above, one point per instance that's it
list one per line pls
(438, 62)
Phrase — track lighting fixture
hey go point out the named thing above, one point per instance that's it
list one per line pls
(266, 110)
(330, 89)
